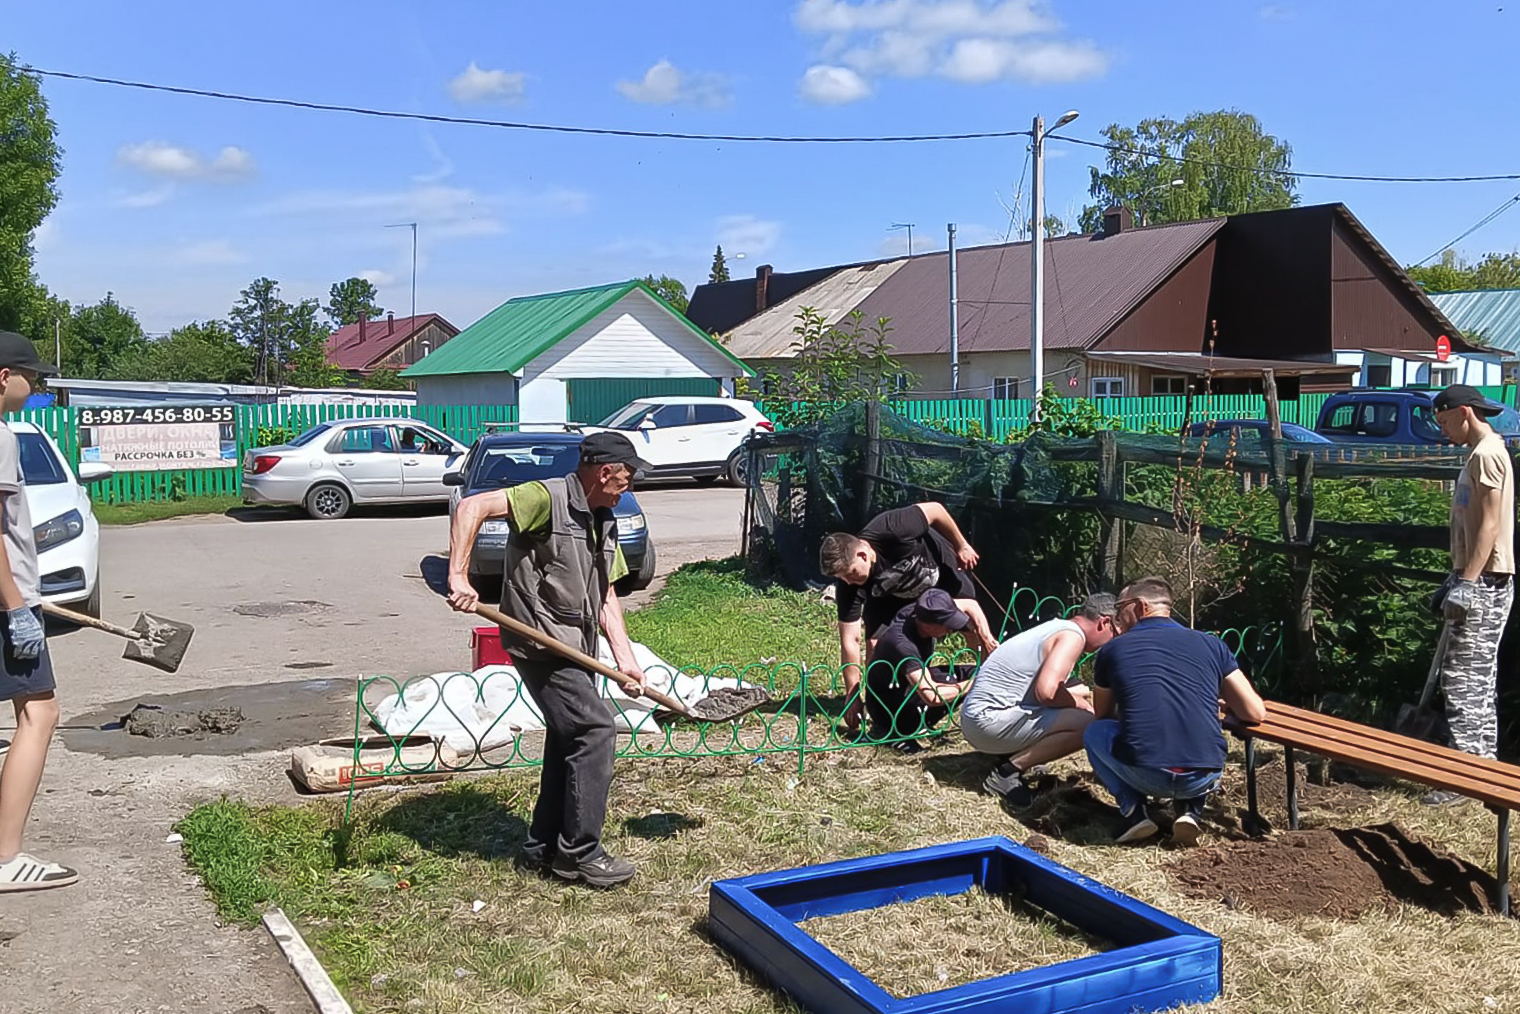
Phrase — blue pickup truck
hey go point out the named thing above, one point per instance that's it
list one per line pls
(1394, 417)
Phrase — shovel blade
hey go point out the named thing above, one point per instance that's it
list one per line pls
(161, 642)
(1418, 723)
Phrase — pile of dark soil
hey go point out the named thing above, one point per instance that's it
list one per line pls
(1338, 874)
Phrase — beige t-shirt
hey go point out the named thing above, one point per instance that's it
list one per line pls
(1487, 466)
(16, 520)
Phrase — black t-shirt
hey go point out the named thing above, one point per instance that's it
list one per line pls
(900, 648)
(911, 558)
(1166, 679)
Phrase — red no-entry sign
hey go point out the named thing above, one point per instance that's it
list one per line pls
(1443, 349)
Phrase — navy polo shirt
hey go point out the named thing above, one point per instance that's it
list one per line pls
(1165, 679)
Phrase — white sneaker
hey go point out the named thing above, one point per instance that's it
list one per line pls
(1185, 831)
(28, 873)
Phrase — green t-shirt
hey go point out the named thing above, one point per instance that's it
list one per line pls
(529, 512)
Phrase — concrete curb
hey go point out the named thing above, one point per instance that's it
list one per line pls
(308, 969)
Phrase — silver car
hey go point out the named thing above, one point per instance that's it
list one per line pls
(334, 466)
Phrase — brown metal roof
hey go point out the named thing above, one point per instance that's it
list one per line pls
(1091, 282)
(1196, 363)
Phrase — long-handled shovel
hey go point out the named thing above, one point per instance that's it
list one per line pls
(152, 640)
(719, 706)
(1419, 721)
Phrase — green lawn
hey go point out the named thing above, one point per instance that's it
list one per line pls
(160, 510)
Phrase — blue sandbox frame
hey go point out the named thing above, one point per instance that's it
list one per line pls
(1159, 962)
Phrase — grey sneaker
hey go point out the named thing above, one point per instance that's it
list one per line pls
(1007, 782)
(602, 870)
(1138, 826)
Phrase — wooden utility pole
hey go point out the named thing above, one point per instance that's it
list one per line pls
(1296, 523)
(1110, 488)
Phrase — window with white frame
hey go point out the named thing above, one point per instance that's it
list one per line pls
(1108, 387)
(1005, 388)
(1168, 384)
(1443, 376)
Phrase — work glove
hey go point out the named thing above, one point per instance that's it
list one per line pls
(1459, 600)
(26, 633)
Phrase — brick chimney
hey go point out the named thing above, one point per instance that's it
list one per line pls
(362, 328)
(1117, 219)
(762, 287)
(390, 323)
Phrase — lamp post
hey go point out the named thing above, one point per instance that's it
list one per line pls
(909, 227)
(1146, 193)
(1037, 257)
(413, 227)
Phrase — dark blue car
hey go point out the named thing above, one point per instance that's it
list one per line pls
(499, 460)
(1395, 417)
(1253, 430)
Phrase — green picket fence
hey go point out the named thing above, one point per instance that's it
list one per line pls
(256, 425)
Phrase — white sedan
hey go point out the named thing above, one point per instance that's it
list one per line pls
(682, 435)
(63, 523)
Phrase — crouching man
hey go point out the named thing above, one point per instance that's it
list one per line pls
(1158, 690)
(1024, 708)
(904, 697)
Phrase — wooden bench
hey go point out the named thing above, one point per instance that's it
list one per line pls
(1489, 781)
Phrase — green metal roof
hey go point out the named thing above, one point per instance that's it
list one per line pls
(522, 329)
(1490, 316)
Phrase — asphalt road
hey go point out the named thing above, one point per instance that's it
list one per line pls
(305, 605)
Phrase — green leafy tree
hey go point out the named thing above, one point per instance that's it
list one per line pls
(385, 380)
(1453, 274)
(1232, 166)
(833, 365)
(30, 161)
(202, 352)
(98, 337)
(307, 336)
(349, 298)
(719, 272)
(288, 341)
(672, 290)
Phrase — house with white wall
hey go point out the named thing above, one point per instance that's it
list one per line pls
(576, 356)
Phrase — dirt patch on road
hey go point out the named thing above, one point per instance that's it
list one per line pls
(1338, 874)
(273, 716)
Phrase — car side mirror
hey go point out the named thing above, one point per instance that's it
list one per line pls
(94, 471)
(453, 478)
(648, 423)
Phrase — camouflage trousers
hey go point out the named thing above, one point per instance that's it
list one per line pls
(1470, 670)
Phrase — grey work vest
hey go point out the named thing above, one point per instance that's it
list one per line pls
(556, 580)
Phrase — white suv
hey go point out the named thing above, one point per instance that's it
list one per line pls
(681, 435)
(64, 526)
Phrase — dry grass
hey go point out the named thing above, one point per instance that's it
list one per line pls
(940, 942)
(540, 946)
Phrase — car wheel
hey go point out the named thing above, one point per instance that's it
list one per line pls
(737, 470)
(641, 579)
(91, 605)
(328, 502)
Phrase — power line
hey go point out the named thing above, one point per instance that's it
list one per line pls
(512, 125)
(1183, 160)
(1501, 209)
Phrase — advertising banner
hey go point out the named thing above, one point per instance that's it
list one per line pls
(153, 438)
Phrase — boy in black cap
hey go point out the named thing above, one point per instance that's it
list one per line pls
(903, 696)
(26, 670)
(562, 560)
(1482, 574)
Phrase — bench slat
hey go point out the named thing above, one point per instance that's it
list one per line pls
(1450, 761)
(1282, 714)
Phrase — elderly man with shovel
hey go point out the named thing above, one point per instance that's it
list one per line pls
(562, 559)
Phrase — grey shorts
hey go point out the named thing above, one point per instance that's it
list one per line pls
(23, 678)
(1009, 731)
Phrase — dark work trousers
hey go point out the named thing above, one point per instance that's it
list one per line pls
(579, 745)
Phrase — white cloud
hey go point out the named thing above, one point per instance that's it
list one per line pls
(665, 84)
(833, 86)
(441, 212)
(378, 278)
(45, 236)
(204, 253)
(960, 40)
(748, 235)
(147, 198)
(160, 158)
(476, 85)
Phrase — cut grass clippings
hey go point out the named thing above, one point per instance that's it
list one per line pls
(162, 510)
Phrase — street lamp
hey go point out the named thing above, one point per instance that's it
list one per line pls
(909, 227)
(1146, 193)
(1037, 257)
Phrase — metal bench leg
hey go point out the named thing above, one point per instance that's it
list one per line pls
(1254, 825)
(1503, 898)
(1292, 762)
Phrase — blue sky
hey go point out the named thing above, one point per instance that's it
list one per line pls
(175, 203)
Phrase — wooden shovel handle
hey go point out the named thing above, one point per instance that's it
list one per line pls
(575, 655)
(80, 619)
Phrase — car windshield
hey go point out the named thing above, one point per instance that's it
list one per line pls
(1506, 422)
(1422, 419)
(39, 465)
(500, 465)
(629, 416)
(311, 434)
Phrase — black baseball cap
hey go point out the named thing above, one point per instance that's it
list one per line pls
(18, 353)
(1463, 396)
(609, 448)
(937, 607)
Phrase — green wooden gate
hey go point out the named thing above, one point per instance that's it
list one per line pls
(591, 401)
